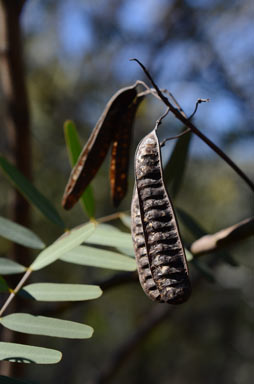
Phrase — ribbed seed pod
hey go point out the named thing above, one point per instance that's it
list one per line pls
(160, 256)
(97, 145)
(120, 152)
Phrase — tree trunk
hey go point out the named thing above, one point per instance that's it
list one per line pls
(17, 124)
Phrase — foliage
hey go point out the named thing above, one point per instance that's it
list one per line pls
(66, 248)
(190, 54)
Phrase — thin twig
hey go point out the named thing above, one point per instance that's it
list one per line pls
(199, 101)
(175, 137)
(205, 244)
(175, 102)
(180, 116)
(156, 316)
(141, 82)
(223, 238)
(107, 218)
(16, 290)
(158, 122)
(153, 319)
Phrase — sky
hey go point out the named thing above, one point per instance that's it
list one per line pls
(73, 31)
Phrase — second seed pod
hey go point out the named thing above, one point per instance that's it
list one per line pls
(160, 255)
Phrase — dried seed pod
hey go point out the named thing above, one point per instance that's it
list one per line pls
(97, 145)
(161, 260)
(120, 152)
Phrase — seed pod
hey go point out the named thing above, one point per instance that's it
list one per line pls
(97, 146)
(161, 260)
(120, 152)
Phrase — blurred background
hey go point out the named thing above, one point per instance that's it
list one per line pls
(76, 57)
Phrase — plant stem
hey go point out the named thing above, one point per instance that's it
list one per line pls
(15, 291)
(180, 116)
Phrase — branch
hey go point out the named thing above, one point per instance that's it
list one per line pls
(180, 116)
(223, 238)
(206, 244)
(156, 316)
(199, 101)
(161, 312)
(17, 119)
(153, 319)
(17, 122)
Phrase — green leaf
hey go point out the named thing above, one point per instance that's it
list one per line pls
(127, 251)
(3, 285)
(126, 220)
(11, 380)
(62, 292)
(204, 270)
(198, 231)
(110, 236)
(74, 150)
(47, 326)
(191, 224)
(10, 267)
(64, 244)
(174, 170)
(19, 234)
(30, 192)
(28, 354)
(188, 254)
(227, 258)
(101, 258)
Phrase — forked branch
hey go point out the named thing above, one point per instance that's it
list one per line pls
(181, 116)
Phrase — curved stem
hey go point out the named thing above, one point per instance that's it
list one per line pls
(175, 137)
(180, 116)
(15, 291)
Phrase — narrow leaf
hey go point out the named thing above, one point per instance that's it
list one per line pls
(188, 254)
(198, 231)
(204, 270)
(127, 251)
(19, 234)
(3, 285)
(101, 258)
(225, 255)
(30, 192)
(64, 244)
(191, 224)
(47, 326)
(28, 354)
(108, 235)
(10, 267)
(74, 150)
(174, 170)
(62, 292)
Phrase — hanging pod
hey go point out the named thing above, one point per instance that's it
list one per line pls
(98, 144)
(119, 165)
(161, 261)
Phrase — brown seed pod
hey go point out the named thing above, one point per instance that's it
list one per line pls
(120, 152)
(97, 145)
(161, 260)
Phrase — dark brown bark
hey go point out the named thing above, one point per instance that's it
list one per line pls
(17, 123)
(15, 93)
